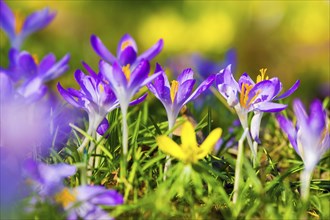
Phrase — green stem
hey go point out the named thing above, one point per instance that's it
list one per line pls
(171, 123)
(239, 165)
(123, 164)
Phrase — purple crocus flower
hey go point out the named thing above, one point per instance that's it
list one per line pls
(125, 84)
(310, 137)
(30, 75)
(179, 93)
(96, 97)
(126, 52)
(246, 96)
(47, 180)
(85, 201)
(18, 28)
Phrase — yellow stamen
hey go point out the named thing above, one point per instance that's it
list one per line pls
(254, 97)
(127, 71)
(174, 89)
(245, 94)
(19, 21)
(262, 76)
(101, 88)
(35, 58)
(65, 197)
(125, 44)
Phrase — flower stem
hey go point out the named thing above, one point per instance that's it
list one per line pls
(171, 123)
(239, 164)
(123, 164)
(305, 178)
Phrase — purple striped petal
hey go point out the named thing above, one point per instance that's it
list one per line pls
(90, 70)
(101, 50)
(261, 92)
(37, 20)
(7, 19)
(229, 94)
(277, 85)
(80, 78)
(225, 76)
(152, 52)
(245, 78)
(6, 87)
(125, 42)
(186, 74)
(184, 91)
(288, 128)
(290, 91)
(268, 107)
(68, 96)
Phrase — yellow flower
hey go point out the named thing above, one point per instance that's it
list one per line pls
(189, 151)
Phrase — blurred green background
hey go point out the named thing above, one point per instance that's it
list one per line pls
(290, 38)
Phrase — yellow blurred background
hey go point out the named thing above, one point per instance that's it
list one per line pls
(290, 38)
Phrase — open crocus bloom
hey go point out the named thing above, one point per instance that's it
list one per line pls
(95, 96)
(310, 137)
(246, 96)
(85, 201)
(18, 28)
(126, 51)
(189, 151)
(179, 93)
(30, 75)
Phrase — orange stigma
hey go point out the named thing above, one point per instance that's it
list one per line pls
(125, 44)
(19, 21)
(127, 72)
(174, 89)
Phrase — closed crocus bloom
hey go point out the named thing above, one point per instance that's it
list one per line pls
(189, 152)
(177, 94)
(17, 27)
(309, 138)
(127, 51)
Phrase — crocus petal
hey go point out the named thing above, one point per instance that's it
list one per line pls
(255, 126)
(101, 50)
(90, 70)
(168, 146)
(68, 96)
(37, 20)
(201, 88)
(269, 107)
(139, 74)
(184, 91)
(152, 52)
(300, 112)
(229, 93)
(288, 128)
(317, 118)
(261, 92)
(7, 19)
(103, 127)
(186, 74)
(188, 136)
(47, 62)
(277, 85)
(246, 79)
(125, 42)
(6, 87)
(290, 91)
(209, 143)
(139, 100)
(30, 87)
(225, 76)
(109, 198)
(56, 70)
(127, 56)
(28, 65)
(114, 74)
